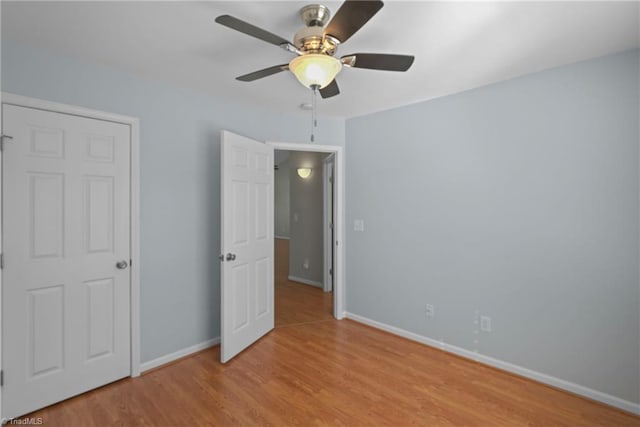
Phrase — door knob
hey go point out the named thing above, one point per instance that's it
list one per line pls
(122, 264)
(231, 257)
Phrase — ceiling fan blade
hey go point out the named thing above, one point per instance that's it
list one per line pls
(330, 90)
(351, 16)
(263, 73)
(378, 61)
(251, 30)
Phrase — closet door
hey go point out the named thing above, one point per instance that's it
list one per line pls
(66, 244)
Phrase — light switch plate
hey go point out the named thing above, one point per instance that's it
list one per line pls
(358, 225)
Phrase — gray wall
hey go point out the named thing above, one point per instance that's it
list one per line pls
(305, 245)
(180, 179)
(519, 200)
(281, 199)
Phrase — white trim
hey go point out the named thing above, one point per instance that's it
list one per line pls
(305, 281)
(134, 125)
(168, 358)
(339, 293)
(328, 212)
(281, 237)
(1, 251)
(135, 247)
(41, 104)
(505, 366)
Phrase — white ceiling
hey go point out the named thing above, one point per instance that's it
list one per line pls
(458, 46)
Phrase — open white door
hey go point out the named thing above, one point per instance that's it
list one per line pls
(247, 308)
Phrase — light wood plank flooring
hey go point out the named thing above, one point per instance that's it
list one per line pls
(295, 302)
(337, 373)
(334, 373)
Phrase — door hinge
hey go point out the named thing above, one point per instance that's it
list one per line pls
(130, 262)
(1, 378)
(1, 261)
(2, 137)
(331, 271)
(331, 225)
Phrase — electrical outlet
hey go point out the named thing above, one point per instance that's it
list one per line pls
(485, 323)
(431, 311)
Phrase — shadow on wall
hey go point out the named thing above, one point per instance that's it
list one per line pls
(281, 194)
(210, 150)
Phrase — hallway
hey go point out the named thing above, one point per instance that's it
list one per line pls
(297, 303)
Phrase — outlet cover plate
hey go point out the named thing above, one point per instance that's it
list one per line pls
(485, 323)
(430, 310)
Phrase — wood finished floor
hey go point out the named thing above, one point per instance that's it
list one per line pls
(329, 372)
(297, 303)
(336, 373)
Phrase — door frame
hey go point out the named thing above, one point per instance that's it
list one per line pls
(339, 291)
(134, 271)
(328, 165)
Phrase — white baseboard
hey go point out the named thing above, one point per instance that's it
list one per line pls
(305, 281)
(505, 366)
(178, 354)
(281, 237)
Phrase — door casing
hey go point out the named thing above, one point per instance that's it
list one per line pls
(134, 270)
(339, 294)
(328, 167)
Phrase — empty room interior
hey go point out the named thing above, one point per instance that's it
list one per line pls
(339, 213)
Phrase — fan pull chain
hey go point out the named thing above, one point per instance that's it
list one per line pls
(314, 110)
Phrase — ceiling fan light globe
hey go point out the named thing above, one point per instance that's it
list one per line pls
(315, 69)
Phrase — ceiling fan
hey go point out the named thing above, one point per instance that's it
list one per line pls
(315, 45)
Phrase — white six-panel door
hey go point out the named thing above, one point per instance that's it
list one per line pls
(65, 303)
(247, 309)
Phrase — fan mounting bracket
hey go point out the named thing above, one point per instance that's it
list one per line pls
(291, 48)
(313, 40)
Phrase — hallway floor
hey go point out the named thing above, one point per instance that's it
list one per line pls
(297, 303)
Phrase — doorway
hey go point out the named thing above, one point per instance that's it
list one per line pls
(247, 238)
(335, 153)
(303, 287)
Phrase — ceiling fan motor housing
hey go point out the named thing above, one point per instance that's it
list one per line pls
(311, 39)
